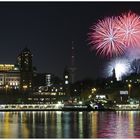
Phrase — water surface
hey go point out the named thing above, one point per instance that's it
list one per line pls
(49, 124)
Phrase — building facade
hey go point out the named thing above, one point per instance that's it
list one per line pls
(24, 61)
(9, 76)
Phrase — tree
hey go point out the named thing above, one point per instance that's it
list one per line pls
(135, 66)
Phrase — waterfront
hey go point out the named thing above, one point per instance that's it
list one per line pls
(50, 124)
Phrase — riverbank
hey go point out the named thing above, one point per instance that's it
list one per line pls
(60, 107)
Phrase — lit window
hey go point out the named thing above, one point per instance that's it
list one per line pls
(53, 93)
(66, 82)
(66, 76)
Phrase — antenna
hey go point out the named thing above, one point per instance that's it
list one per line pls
(72, 67)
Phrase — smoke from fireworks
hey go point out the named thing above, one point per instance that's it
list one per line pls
(112, 36)
(133, 56)
(132, 53)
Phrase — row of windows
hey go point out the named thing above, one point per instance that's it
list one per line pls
(10, 75)
(42, 99)
(9, 80)
(11, 84)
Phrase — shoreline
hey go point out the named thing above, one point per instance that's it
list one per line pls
(76, 110)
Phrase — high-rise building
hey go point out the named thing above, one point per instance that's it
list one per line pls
(24, 61)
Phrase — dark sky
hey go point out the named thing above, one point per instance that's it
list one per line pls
(49, 28)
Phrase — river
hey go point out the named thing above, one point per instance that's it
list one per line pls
(51, 124)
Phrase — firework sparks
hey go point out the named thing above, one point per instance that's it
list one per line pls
(113, 36)
(122, 67)
(106, 39)
(129, 29)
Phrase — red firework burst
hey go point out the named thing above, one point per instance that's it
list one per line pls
(129, 29)
(105, 38)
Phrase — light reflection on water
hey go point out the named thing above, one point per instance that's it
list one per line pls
(119, 124)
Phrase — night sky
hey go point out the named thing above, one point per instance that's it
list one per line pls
(48, 29)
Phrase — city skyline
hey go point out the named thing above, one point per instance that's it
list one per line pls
(48, 29)
(69, 70)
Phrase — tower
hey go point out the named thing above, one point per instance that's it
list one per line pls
(114, 74)
(72, 68)
(66, 81)
(66, 77)
(24, 62)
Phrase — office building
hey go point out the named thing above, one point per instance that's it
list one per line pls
(24, 61)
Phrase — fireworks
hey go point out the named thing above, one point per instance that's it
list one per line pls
(106, 38)
(121, 66)
(112, 36)
(129, 29)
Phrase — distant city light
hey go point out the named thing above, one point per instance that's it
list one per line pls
(80, 102)
(101, 96)
(25, 86)
(93, 90)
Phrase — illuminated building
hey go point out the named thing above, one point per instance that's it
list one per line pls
(48, 80)
(7, 67)
(43, 79)
(47, 96)
(17, 76)
(9, 76)
(24, 61)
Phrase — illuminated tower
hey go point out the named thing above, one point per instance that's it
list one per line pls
(66, 77)
(72, 68)
(24, 61)
(66, 81)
